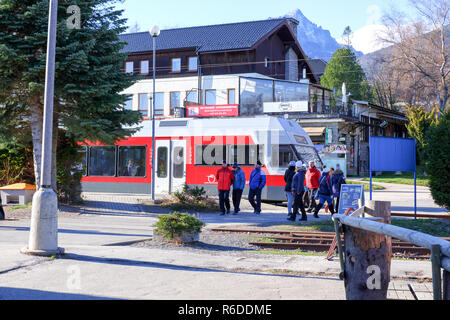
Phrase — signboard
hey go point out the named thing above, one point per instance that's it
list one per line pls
(351, 194)
(231, 110)
(288, 106)
(402, 154)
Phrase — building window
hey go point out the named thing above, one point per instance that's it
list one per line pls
(174, 101)
(129, 67)
(266, 62)
(102, 161)
(143, 104)
(231, 96)
(192, 64)
(176, 65)
(159, 104)
(210, 97)
(192, 97)
(132, 161)
(129, 104)
(144, 67)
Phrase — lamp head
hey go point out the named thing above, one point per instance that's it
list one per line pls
(155, 31)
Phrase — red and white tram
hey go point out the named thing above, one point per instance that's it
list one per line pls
(191, 151)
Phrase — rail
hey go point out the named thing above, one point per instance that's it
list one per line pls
(440, 248)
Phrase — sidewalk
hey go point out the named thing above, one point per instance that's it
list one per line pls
(92, 270)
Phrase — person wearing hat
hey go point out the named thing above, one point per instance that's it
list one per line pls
(224, 178)
(298, 190)
(288, 175)
(325, 193)
(238, 187)
(337, 180)
(256, 184)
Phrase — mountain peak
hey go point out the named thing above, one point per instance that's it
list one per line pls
(316, 41)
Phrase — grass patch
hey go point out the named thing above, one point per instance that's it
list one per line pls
(292, 252)
(434, 227)
(367, 185)
(404, 178)
(323, 226)
(21, 207)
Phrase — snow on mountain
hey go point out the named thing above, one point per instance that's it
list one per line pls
(315, 41)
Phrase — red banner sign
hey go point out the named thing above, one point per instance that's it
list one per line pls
(229, 110)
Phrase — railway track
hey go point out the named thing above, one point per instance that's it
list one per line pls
(319, 242)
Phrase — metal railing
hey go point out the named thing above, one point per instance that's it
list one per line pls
(440, 248)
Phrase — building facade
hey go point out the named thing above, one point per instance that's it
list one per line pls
(250, 69)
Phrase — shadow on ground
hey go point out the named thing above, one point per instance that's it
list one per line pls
(7, 293)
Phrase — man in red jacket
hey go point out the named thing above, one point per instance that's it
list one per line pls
(225, 179)
(312, 183)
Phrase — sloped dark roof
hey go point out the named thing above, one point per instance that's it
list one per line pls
(318, 66)
(232, 36)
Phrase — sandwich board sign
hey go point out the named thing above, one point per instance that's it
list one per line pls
(351, 196)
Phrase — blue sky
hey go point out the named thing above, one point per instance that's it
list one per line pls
(333, 15)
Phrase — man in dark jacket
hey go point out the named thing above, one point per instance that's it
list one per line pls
(325, 193)
(225, 178)
(238, 187)
(298, 189)
(337, 180)
(288, 176)
(256, 184)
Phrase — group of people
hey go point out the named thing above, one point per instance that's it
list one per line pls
(304, 186)
(235, 177)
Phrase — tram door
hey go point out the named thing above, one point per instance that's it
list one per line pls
(170, 166)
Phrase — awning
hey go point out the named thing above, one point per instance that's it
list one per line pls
(315, 131)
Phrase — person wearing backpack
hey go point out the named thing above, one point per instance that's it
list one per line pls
(324, 193)
(288, 176)
(298, 190)
(337, 180)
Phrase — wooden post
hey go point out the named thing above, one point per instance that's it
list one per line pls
(446, 282)
(368, 258)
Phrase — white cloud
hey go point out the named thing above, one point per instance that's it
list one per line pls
(365, 39)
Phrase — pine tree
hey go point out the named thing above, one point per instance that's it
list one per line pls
(344, 67)
(88, 78)
(437, 150)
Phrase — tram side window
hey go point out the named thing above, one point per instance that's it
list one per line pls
(162, 162)
(83, 166)
(102, 161)
(132, 161)
(213, 155)
(178, 162)
(246, 155)
(210, 155)
(282, 155)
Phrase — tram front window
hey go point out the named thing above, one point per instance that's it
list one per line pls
(282, 155)
(308, 154)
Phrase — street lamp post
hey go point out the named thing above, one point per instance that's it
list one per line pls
(44, 217)
(154, 32)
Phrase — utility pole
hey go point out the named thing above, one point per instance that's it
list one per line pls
(43, 239)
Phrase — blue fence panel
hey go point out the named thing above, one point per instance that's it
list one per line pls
(392, 154)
